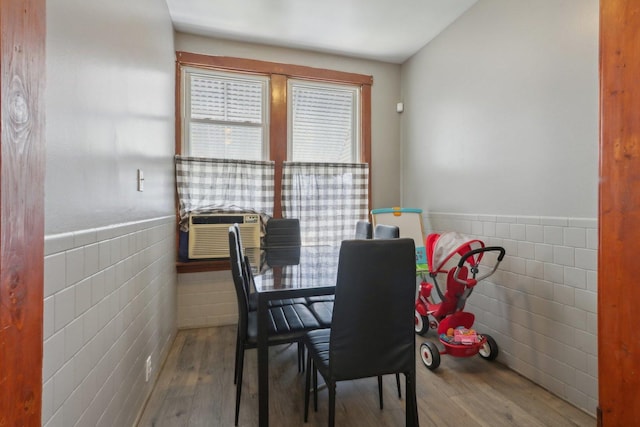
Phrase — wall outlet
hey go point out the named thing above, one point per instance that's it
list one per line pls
(147, 370)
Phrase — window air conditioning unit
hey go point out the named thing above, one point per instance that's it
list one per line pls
(209, 233)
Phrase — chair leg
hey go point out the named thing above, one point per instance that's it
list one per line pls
(315, 388)
(301, 354)
(332, 403)
(380, 391)
(398, 384)
(412, 403)
(307, 385)
(235, 367)
(239, 384)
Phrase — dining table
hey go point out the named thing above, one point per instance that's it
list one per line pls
(287, 272)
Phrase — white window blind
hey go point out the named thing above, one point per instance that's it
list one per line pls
(323, 122)
(225, 115)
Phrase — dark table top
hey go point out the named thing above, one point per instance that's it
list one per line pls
(294, 268)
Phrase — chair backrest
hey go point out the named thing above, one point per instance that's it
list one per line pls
(244, 260)
(282, 232)
(238, 273)
(364, 230)
(372, 330)
(383, 231)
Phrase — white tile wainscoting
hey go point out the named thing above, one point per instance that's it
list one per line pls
(109, 303)
(206, 299)
(541, 304)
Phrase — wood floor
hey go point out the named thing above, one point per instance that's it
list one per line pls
(195, 388)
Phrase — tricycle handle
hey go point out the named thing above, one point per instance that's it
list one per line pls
(473, 252)
(482, 250)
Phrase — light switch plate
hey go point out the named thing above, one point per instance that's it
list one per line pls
(140, 180)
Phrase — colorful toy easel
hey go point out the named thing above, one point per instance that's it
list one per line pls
(409, 221)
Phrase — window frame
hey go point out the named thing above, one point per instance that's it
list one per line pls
(277, 120)
(185, 103)
(354, 90)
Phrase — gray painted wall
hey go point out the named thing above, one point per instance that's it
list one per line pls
(502, 112)
(110, 111)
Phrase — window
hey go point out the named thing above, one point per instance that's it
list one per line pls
(256, 110)
(225, 115)
(323, 122)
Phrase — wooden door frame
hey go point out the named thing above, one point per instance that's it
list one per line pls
(22, 161)
(619, 213)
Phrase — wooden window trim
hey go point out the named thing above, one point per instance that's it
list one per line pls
(255, 66)
(279, 74)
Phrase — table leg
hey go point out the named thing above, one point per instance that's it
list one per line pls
(263, 363)
(411, 406)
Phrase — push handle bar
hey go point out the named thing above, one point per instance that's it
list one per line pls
(473, 252)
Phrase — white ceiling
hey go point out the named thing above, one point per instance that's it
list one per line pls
(384, 30)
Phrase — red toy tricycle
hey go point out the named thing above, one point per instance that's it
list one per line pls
(454, 325)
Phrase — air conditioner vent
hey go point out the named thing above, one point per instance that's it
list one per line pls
(209, 234)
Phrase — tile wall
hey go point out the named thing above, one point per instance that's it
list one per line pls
(109, 304)
(541, 305)
(206, 299)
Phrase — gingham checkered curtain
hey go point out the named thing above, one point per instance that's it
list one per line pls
(327, 198)
(205, 184)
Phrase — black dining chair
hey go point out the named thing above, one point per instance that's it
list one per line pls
(371, 332)
(383, 231)
(287, 323)
(322, 307)
(363, 230)
(248, 278)
(282, 232)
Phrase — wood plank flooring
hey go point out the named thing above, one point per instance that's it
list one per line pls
(195, 388)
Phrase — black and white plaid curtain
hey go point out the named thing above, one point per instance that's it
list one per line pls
(328, 198)
(207, 185)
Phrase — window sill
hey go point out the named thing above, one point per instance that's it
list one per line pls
(203, 266)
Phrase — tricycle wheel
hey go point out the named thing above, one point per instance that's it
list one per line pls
(489, 350)
(430, 355)
(421, 323)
